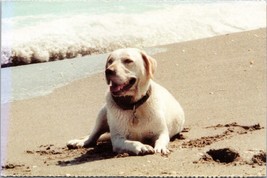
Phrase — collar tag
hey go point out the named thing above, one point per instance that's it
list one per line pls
(135, 118)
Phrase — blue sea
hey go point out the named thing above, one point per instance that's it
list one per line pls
(48, 30)
(36, 31)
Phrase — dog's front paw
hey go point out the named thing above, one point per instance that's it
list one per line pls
(133, 147)
(161, 149)
(76, 143)
(143, 149)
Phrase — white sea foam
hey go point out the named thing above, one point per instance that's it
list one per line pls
(42, 38)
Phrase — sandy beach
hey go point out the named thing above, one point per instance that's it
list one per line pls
(221, 84)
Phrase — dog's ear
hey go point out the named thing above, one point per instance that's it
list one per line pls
(150, 64)
(106, 66)
(108, 58)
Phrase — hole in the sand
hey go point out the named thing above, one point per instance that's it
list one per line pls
(224, 155)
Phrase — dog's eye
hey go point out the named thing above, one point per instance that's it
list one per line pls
(110, 62)
(128, 61)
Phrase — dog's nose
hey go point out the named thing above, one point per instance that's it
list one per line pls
(110, 72)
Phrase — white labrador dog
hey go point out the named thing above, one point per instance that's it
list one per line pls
(140, 115)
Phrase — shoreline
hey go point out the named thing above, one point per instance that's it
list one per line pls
(19, 83)
(218, 81)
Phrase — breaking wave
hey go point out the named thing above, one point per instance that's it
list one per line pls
(51, 37)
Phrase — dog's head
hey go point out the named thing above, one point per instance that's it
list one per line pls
(128, 72)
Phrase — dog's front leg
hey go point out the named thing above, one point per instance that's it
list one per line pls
(161, 143)
(100, 128)
(121, 145)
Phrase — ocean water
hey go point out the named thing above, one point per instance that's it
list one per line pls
(49, 30)
(53, 30)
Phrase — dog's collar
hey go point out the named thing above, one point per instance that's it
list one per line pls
(125, 103)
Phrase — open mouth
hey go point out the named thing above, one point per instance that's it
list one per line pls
(117, 89)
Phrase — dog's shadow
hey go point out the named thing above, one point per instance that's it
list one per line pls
(101, 151)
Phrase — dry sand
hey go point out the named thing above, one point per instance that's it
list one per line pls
(219, 81)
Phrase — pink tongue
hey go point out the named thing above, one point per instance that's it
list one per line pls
(116, 88)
